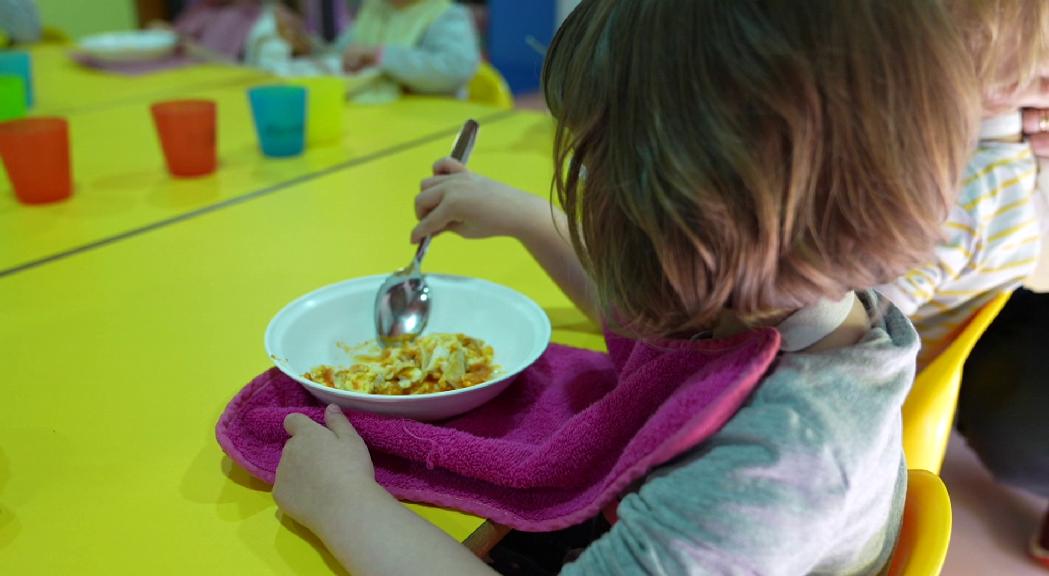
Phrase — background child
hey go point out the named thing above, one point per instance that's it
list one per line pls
(993, 239)
(19, 22)
(993, 234)
(732, 151)
(259, 33)
(425, 46)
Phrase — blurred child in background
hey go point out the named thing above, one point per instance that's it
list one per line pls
(992, 242)
(422, 46)
(992, 237)
(19, 22)
(259, 33)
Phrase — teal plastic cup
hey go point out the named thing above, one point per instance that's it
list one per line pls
(15, 63)
(280, 119)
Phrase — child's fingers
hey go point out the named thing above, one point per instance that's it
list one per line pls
(441, 179)
(434, 223)
(448, 166)
(338, 423)
(432, 181)
(298, 423)
(1040, 144)
(427, 200)
(1035, 120)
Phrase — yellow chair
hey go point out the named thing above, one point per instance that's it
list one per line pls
(489, 87)
(928, 413)
(52, 35)
(926, 531)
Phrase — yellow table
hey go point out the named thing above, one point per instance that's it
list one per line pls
(119, 360)
(122, 187)
(64, 87)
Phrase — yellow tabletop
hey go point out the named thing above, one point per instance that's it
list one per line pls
(122, 187)
(119, 361)
(65, 87)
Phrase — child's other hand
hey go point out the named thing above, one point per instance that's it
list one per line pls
(292, 31)
(472, 206)
(319, 465)
(1036, 128)
(357, 58)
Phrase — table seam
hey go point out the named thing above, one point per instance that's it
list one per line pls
(145, 99)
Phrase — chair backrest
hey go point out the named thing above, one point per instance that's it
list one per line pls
(489, 87)
(928, 413)
(926, 532)
(52, 35)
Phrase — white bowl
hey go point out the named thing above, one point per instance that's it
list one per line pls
(306, 332)
(131, 46)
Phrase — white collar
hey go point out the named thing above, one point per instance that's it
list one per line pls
(811, 324)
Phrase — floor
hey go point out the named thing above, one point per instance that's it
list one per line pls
(992, 523)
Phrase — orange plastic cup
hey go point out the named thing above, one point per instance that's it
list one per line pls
(187, 134)
(36, 155)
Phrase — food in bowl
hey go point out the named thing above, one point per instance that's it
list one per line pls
(424, 365)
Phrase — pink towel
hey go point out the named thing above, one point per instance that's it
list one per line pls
(566, 439)
(221, 28)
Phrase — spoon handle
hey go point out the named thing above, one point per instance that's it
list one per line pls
(464, 144)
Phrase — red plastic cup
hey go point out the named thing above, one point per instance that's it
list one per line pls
(36, 156)
(187, 134)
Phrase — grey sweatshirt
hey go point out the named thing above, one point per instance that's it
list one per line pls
(20, 20)
(807, 478)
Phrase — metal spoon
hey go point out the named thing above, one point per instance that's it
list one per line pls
(402, 305)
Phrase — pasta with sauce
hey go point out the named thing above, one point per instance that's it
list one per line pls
(427, 364)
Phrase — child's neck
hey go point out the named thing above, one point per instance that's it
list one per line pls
(849, 333)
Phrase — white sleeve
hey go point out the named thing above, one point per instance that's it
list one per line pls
(445, 59)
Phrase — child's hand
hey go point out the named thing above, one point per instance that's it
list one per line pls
(472, 206)
(292, 31)
(357, 58)
(319, 466)
(1036, 128)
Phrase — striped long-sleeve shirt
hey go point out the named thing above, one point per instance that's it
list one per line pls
(991, 243)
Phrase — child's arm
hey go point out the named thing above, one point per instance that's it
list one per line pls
(475, 207)
(952, 257)
(325, 481)
(444, 61)
(987, 238)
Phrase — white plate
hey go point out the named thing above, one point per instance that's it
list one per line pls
(306, 332)
(131, 46)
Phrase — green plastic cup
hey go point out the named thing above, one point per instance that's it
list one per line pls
(12, 98)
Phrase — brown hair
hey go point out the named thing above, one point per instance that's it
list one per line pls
(1009, 40)
(754, 155)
